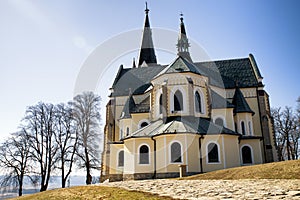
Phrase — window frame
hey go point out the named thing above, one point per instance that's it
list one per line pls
(170, 152)
(251, 151)
(178, 101)
(118, 159)
(139, 154)
(207, 153)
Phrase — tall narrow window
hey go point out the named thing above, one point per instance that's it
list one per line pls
(121, 134)
(160, 104)
(175, 152)
(178, 101)
(144, 154)
(213, 153)
(235, 127)
(127, 131)
(219, 121)
(121, 159)
(250, 128)
(198, 102)
(243, 128)
(246, 155)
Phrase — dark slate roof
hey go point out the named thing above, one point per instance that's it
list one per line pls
(143, 107)
(240, 103)
(181, 64)
(223, 74)
(173, 125)
(232, 71)
(138, 80)
(129, 107)
(147, 51)
(219, 102)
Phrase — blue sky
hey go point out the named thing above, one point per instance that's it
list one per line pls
(45, 43)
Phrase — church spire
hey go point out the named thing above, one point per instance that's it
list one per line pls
(183, 42)
(147, 53)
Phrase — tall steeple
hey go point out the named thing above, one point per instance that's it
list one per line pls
(147, 53)
(183, 42)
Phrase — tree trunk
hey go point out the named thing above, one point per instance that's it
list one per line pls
(20, 187)
(88, 170)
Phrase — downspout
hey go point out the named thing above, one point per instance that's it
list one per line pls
(200, 147)
(154, 164)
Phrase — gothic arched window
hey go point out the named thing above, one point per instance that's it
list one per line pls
(243, 128)
(246, 155)
(178, 101)
(198, 102)
(213, 153)
(121, 159)
(144, 154)
(175, 152)
(160, 104)
(250, 128)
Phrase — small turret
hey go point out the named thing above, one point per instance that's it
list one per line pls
(147, 52)
(183, 42)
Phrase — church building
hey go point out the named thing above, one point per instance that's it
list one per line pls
(197, 116)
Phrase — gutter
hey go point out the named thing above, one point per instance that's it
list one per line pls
(200, 147)
(154, 164)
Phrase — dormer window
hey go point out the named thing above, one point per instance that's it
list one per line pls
(178, 101)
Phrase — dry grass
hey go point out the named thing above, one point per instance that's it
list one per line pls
(91, 192)
(276, 170)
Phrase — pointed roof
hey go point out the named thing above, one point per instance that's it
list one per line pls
(180, 64)
(147, 53)
(129, 107)
(183, 42)
(240, 103)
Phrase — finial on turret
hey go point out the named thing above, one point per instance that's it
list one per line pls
(181, 17)
(146, 10)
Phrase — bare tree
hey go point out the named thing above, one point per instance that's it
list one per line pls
(66, 138)
(86, 109)
(40, 126)
(14, 158)
(287, 133)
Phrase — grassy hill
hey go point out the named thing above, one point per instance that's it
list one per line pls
(276, 170)
(91, 192)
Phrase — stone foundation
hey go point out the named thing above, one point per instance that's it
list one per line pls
(143, 176)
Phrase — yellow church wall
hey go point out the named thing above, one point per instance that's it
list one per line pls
(189, 149)
(225, 114)
(246, 118)
(231, 147)
(193, 154)
(114, 152)
(144, 168)
(161, 153)
(138, 118)
(207, 167)
(256, 150)
(255, 118)
(129, 156)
